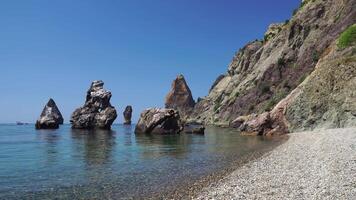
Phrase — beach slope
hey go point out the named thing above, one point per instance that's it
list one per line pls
(310, 165)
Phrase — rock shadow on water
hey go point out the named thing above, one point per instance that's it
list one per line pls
(157, 146)
(128, 130)
(50, 139)
(51, 136)
(97, 145)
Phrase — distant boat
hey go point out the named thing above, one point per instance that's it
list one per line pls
(20, 123)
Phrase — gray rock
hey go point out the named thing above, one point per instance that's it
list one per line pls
(127, 115)
(50, 117)
(159, 121)
(97, 111)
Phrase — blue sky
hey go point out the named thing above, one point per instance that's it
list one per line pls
(56, 48)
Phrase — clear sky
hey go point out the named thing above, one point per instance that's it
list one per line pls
(137, 47)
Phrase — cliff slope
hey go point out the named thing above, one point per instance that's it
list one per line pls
(263, 73)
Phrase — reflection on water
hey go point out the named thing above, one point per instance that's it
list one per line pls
(97, 144)
(72, 164)
(157, 146)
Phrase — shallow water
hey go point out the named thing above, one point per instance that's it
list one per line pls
(67, 164)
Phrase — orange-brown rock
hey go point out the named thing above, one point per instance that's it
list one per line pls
(180, 97)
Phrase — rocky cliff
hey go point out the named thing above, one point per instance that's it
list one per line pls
(299, 66)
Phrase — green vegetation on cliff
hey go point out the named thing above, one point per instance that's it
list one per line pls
(348, 37)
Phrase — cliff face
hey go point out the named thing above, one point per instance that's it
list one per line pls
(327, 98)
(263, 73)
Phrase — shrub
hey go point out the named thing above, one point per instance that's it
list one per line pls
(281, 61)
(237, 94)
(348, 37)
(315, 56)
(295, 11)
(265, 89)
(302, 78)
(269, 104)
(216, 106)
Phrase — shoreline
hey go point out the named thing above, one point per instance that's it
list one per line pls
(192, 191)
(317, 164)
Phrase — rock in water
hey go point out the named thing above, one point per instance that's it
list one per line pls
(159, 121)
(180, 97)
(128, 114)
(50, 117)
(194, 128)
(97, 111)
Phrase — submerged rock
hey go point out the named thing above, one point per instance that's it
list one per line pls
(180, 97)
(194, 129)
(127, 114)
(50, 117)
(159, 121)
(97, 111)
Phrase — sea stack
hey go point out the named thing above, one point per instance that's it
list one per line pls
(97, 111)
(180, 97)
(50, 117)
(127, 115)
(159, 121)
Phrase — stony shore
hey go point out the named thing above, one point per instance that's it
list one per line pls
(310, 165)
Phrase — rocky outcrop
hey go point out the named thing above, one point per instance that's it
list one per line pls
(264, 72)
(325, 99)
(273, 30)
(159, 121)
(127, 115)
(180, 97)
(97, 111)
(50, 117)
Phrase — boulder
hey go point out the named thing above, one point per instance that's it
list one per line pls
(50, 117)
(97, 111)
(180, 97)
(236, 123)
(127, 115)
(159, 121)
(256, 125)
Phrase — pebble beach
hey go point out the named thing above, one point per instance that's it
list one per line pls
(310, 165)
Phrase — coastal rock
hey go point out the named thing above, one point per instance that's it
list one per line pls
(265, 71)
(180, 97)
(97, 111)
(159, 121)
(127, 115)
(50, 117)
(325, 99)
(256, 125)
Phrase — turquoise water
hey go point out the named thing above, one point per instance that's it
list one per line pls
(72, 164)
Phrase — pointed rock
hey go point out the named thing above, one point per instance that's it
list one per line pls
(180, 97)
(127, 115)
(50, 117)
(97, 111)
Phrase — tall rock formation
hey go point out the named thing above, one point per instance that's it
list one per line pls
(97, 111)
(127, 115)
(180, 97)
(50, 117)
(264, 72)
